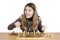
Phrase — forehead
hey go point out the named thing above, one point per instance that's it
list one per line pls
(27, 7)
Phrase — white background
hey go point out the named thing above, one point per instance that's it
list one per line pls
(49, 10)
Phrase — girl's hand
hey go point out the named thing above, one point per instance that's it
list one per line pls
(43, 28)
(17, 24)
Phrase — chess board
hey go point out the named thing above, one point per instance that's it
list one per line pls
(37, 36)
(31, 34)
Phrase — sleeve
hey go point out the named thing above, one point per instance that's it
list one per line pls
(40, 27)
(12, 26)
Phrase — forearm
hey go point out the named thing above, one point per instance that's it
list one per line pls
(12, 26)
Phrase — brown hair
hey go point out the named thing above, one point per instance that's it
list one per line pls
(35, 17)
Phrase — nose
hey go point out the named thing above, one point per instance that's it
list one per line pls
(27, 12)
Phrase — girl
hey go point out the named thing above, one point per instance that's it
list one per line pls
(29, 21)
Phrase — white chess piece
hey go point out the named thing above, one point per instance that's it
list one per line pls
(17, 30)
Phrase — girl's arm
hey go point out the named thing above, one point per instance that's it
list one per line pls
(12, 25)
(40, 27)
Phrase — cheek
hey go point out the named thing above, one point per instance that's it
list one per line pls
(31, 13)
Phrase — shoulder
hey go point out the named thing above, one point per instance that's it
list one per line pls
(21, 16)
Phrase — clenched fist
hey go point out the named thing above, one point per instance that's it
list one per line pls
(17, 24)
(43, 28)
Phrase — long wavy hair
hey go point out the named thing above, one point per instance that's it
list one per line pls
(35, 17)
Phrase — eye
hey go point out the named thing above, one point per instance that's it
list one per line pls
(29, 10)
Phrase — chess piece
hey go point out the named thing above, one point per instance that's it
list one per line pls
(50, 36)
(28, 33)
(33, 32)
(23, 33)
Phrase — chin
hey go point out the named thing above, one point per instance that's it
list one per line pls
(28, 17)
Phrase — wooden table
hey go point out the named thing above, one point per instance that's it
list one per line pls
(47, 36)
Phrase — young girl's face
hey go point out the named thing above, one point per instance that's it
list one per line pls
(28, 12)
